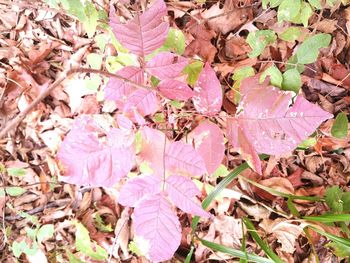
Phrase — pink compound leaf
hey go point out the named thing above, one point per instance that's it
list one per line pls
(153, 148)
(158, 227)
(182, 158)
(175, 89)
(268, 122)
(208, 141)
(182, 191)
(144, 33)
(118, 90)
(137, 188)
(166, 65)
(88, 161)
(207, 97)
(142, 100)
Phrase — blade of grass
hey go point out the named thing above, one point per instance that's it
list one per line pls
(281, 194)
(244, 250)
(235, 252)
(254, 234)
(341, 240)
(189, 255)
(221, 186)
(329, 218)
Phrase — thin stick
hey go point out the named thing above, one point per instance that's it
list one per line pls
(64, 75)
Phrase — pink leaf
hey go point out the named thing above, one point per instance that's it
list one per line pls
(181, 157)
(239, 141)
(182, 191)
(269, 124)
(142, 100)
(153, 148)
(117, 90)
(175, 90)
(137, 188)
(158, 226)
(120, 138)
(124, 122)
(88, 161)
(166, 65)
(207, 97)
(208, 141)
(144, 33)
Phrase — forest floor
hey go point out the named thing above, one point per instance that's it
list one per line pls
(40, 215)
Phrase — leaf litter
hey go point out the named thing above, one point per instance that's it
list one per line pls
(37, 42)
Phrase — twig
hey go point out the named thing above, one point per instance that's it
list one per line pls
(125, 217)
(63, 76)
(39, 209)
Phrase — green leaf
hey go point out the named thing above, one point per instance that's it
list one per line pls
(101, 225)
(177, 104)
(258, 40)
(340, 249)
(331, 2)
(53, 3)
(155, 81)
(221, 171)
(340, 126)
(72, 258)
(175, 41)
(310, 142)
(264, 3)
(18, 248)
(91, 20)
(315, 3)
(329, 218)
(235, 252)
(134, 248)
(275, 76)
(189, 255)
(94, 60)
(346, 202)
(84, 244)
(275, 3)
(308, 51)
(45, 232)
(101, 41)
(16, 172)
(193, 70)
(114, 63)
(333, 199)
(292, 80)
(238, 76)
(291, 34)
(264, 246)
(304, 15)
(293, 62)
(15, 190)
(288, 10)
(341, 240)
(75, 8)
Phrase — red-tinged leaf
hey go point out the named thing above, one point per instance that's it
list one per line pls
(182, 158)
(124, 122)
(266, 123)
(175, 90)
(182, 191)
(207, 97)
(158, 227)
(88, 161)
(137, 188)
(144, 33)
(208, 141)
(120, 138)
(152, 151)
(270, 124)
(166, 65)
(117, 89)
(142, 100)
(241, 144)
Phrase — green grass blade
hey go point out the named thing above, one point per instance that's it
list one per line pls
(329, 218)
(235, 252)
(221, 186)
(268, 251)
(278, 193)
(341, 240)
(244, 247)
(189, 255)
